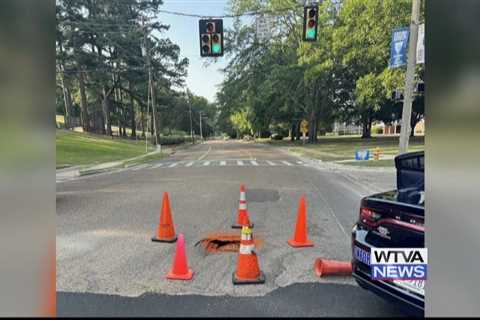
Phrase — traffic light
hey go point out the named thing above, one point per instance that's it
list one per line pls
(211, 37)
(310, 23)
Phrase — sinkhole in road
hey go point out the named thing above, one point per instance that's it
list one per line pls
(224, 242)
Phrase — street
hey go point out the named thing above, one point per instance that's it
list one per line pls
(107, 264)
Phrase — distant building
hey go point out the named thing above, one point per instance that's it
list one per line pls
(378, 128)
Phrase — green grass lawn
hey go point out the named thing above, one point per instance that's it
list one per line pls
(74, 148)
(343, 148)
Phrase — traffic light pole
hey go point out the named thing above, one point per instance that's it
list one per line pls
(409, 78)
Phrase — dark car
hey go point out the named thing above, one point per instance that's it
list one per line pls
(393, 219)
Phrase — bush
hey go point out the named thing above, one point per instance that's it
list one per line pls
(377, 130)
(277, 136)
(247, 137)
(171, 140)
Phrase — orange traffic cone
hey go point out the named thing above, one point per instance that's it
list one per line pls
(165, 230)
(180, 270)
(242, 218)
(331, 267)
(300, 237)
(248, 270)
(49, 305)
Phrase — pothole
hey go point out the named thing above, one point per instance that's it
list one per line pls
(224, 242)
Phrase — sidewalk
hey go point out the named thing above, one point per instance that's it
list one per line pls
(76, 171)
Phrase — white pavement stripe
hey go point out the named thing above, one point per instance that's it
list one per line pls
(287, 163)
(223, 163)
(300, 162)
(206, 163)
(271, 163)
(142, 166)
(240, 162)
(255, 163)
(158, 165)
(173, 165)
(190, 164)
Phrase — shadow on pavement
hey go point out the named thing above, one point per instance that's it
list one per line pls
(302, 300)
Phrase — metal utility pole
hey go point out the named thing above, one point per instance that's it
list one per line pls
(150, 85)
(409, 78)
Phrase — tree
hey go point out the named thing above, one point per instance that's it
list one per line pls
(99, 52)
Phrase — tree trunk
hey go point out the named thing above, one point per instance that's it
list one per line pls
(132, 112)
(144, 125)
(106, 111)
(83, 103)
(68, 103)
(366, 127)
(312, 130)
(413, 122)
(297, 130)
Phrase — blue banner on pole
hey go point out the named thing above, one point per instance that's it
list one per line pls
(398, 48)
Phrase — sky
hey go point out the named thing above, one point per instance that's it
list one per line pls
(201, 80)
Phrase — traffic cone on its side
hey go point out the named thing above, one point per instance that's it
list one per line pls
(165, 230)
(242, 217)
(325, 267)
(180, 270)
(248, 270)
(300, 237)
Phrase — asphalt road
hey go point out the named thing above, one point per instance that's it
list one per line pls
(106, 263)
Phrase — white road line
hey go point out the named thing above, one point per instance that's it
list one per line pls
(142, 166)
(223, 163)
(173, 165)
(287, 163)
(300, 162)
(205, 154)
(206, 163)
(255, 163)
(240, 162)
(271, 163)
(190, 164)
(158, 165)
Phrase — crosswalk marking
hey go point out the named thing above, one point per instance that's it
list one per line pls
(204, 163)
(142, 166)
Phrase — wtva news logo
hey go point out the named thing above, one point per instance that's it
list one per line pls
(399, 263)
